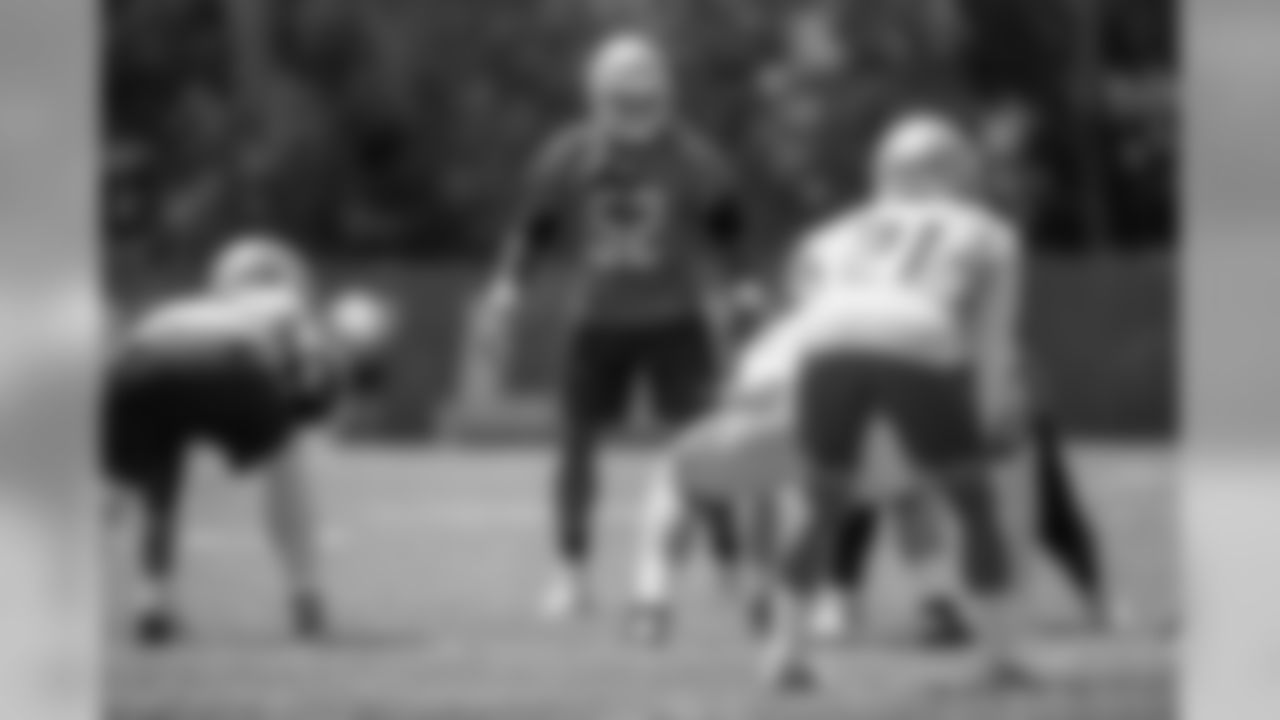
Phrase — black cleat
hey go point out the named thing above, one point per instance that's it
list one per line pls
(793, 677)
(310, 619)
(1010, 675)
(156, 629)
(945, 626)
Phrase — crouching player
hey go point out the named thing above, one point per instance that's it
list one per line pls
(243, 366)
(916, 325)
(724, 479)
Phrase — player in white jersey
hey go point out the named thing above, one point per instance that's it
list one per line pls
(244, 365)
(738, 461)
(911, 317)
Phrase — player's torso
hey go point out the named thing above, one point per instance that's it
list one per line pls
(635, 230)
(209, 329)
(900, 277)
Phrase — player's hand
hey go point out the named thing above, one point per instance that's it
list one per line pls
(490, 333)
(496, 305)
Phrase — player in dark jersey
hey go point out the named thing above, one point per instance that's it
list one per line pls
(245, 367)
(642, 206)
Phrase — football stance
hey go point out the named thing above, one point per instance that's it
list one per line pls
(913, 320)
(641, 205)
(245, 366)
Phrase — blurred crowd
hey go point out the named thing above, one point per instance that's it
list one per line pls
(400, 127)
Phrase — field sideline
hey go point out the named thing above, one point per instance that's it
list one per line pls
(437, 557)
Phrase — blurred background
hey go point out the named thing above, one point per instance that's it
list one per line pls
(388, 138)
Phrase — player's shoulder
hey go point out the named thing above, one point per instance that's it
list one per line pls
(982, 228)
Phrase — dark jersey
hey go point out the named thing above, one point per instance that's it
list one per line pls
(642, 226)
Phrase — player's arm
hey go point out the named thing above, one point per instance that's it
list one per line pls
(998, 327)
(726, 225)
(540, 221)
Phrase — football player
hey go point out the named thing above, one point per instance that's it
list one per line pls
(915, 321)
(641, 204)
(244, 365)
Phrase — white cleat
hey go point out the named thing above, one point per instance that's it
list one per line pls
(831, 619)
(567, 599)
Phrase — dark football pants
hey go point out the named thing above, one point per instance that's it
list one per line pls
(605, 366)
(1062, 524)
(933, 411)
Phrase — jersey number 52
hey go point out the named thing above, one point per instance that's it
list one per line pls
(626, 227)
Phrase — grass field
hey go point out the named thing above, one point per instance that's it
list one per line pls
(437, 557)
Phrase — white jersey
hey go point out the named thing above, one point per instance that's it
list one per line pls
(262, 316)
(911, 278)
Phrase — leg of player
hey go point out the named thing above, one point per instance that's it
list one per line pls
(717, 522)
(926, 543)
(662, 548)
(160, 507)
(855, 541)
(574, 500)
(940, 422)
(594, 393)
(832, 410)
(1064, 526)
(756, 522)
(992, 572)
(676, 359)
(291, 526)
(836, 609)
(787, 653)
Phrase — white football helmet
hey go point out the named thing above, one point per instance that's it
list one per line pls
(629, 87)
(256, 261)
(925, 153)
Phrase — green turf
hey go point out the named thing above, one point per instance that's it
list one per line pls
(437, 558)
